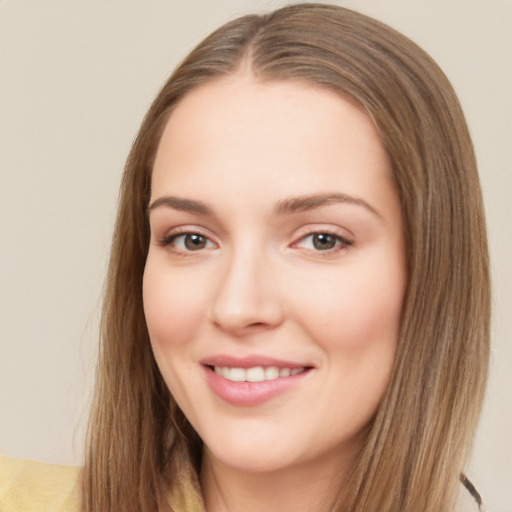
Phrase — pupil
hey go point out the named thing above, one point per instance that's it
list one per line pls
(324, 241)
(194, 242)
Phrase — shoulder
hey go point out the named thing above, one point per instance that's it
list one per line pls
(32, 486)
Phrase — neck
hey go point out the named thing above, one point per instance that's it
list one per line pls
(301, 488)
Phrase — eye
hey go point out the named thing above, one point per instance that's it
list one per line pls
(187, 242)
(323, 241)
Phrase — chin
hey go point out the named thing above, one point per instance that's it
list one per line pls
(253, 459)
(275, 452)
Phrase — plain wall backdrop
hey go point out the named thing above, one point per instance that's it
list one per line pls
(75, 81)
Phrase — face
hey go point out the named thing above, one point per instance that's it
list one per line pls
(275, 275)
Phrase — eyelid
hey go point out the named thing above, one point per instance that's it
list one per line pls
(304, 232)
(311, 229)
(316, 229)
(170, 235)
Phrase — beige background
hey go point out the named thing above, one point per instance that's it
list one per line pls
(75, 80)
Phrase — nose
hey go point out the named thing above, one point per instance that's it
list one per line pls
(247, 298)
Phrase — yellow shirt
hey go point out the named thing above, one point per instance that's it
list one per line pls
(29, 486)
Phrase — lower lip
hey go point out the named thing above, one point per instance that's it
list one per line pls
(249, 394)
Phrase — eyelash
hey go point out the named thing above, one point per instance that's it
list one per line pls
(342, 242)
(167, 240)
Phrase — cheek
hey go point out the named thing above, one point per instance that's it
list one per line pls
(173, 305)
(173, 308)
(355, 310)
(355, 318)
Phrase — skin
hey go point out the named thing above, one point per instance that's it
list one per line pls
(258, 284)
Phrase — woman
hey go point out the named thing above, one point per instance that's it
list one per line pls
(407, 452)
(297, 307)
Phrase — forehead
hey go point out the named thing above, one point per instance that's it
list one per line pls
(286, 137)
(240, 102)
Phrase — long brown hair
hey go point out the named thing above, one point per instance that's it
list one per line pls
(141, 449)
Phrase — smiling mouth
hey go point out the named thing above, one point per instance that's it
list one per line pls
(253, 380)
(256, 373)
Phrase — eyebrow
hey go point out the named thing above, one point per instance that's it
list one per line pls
(310, 202)
(283, 207)
(179, 203)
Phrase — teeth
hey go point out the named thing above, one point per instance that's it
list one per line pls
(284, 372)
(237, 374)
(271, 373)
(256, 373)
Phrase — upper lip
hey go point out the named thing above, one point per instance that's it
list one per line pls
(250, 361)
